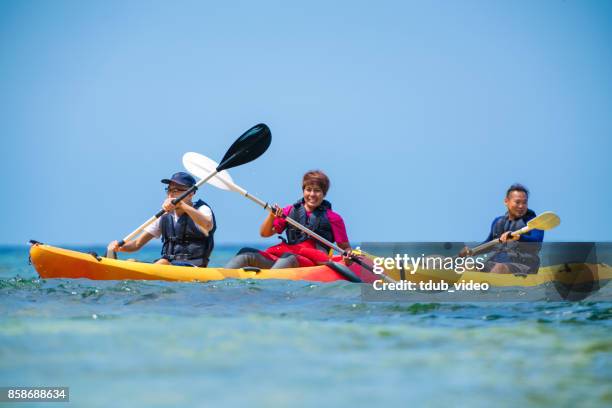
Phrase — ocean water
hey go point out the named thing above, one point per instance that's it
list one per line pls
(279, 343)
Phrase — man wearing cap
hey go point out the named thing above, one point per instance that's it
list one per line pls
(186, 229)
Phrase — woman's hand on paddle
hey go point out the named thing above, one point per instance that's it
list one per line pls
(277, 211)
(347, 257)
(267, 228)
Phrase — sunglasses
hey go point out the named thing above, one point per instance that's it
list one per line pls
(175, 190)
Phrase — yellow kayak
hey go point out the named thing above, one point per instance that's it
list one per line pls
(54, 262)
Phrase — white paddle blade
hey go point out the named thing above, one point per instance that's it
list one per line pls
(545, 221)
(201, 167)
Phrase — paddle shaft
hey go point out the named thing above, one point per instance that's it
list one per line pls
(162, 211)
(545, 221)
(492, 243)
(267, 206)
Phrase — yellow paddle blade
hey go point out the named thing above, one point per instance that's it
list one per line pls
(545, 221)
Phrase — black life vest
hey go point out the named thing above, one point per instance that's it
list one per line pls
(317, 222)
(184, 241)
(525, 253)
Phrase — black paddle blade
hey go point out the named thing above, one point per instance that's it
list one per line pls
(252, 144)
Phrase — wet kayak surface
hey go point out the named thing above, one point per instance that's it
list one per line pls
(279, 343)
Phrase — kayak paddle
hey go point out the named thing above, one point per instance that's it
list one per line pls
(252, 144)
(202, 167)
(545, 221)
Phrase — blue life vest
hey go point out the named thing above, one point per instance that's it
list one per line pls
(183, 241)
(526, 253)
(317, 222)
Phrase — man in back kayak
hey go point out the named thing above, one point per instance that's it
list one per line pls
(186, 229)
(514, 254)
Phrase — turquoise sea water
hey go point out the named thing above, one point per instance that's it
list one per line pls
(279, 343)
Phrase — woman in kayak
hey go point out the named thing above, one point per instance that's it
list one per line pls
(299, 249)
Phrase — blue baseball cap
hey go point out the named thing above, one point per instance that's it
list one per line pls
(182, 178)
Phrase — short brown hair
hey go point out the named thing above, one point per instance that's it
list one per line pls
(316, 177)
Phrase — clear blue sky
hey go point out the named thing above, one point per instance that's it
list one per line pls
(421, 112)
